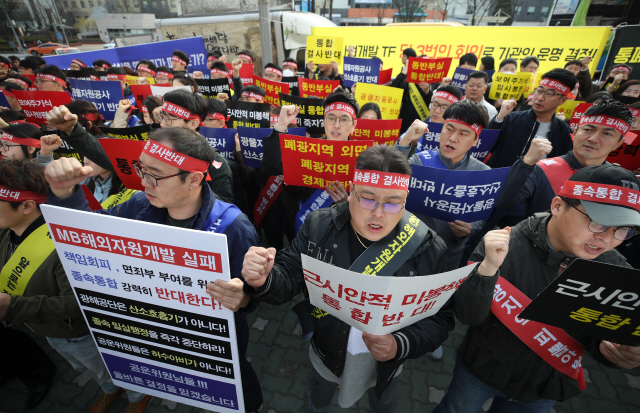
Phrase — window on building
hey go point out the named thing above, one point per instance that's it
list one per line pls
(145, 3)
(74, 4)
(91, 4)
(173, 4)
(163, 3)
(531, 10)
(544, 11)
(518, 9)
(470, 9)
(83, 4)
(136, 3)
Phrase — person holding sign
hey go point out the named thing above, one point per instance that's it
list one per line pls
(414, 97)
(442, 100)
(522, 364)
(477, 84)
(273, 72)
(176, 195)
(353, 235)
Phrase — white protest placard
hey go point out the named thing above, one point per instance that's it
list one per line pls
(378, 305)
(141, 288)
(160, 91)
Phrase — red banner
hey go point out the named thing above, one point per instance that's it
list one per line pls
(122, 153)
(428, 70)
(94, 205)
(267, 197)
(35, 105)
(626, 156)
(577, 114)
(272, 88)
(316, 162)
(384, 78)
(384, 132)
(246, 74)
(316, 88)
(140, 92)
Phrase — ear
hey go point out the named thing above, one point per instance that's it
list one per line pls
(31, 149)
(192, 124)
(194, 179)
(29, 207)
(89, 124)
(355, 123)
(563, 99)
(556, 205)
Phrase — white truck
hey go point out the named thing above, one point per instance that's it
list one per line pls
(229, 34)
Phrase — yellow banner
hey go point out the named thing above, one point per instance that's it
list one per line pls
(568, 107)
(133, 80)
(387, 97)
(324, 49)
(553, 46)
(508, 86)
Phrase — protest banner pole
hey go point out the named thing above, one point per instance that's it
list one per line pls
(265, 32)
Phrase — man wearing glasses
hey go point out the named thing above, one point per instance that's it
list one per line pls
(177, 195)
(493, 361)
(443, 98)
(350, 235)
(51, 79)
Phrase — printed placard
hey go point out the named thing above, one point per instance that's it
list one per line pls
(324, 49)
(388, 98)
(36, 105)
(384, 78)
(136, 133)
(381, 131)
(459, 79)
(507, 86)
(626, 155)
(222, 139)
(123, 154)
(272, 88)
(210, 88)
(578, 111)
(454, 195)
(360, 70)
(316, 88)
(292, 81)
(569, 107)
(378, 305)
(486, 141)
(249, 114)
(319, 199)
(105, 96)
(156, 328)
(246, 74)
(251, 145)
(427, 70)
(311, 114)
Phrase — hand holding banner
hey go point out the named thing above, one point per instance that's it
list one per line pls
(388, 98)
(36, 105)
(316, 88)
(508, 86)
(272, 88)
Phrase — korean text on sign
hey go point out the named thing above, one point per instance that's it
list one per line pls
(323, 50)
(508, 86)
(388, 98)
(383, 132)
(428, 70)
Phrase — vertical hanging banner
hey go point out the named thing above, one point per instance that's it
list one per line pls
(156, 328)
(459, 79)
(428, 70)
(211, 87)
(266, 198)
(106, 96)
(123, 154)
(222, 139)
(246, 74)
(508, 86)
(272, 88)
(388, 98)
(384, 78)
(136, 133)
(431, 141)
(251, 145)
(360, 70)
(311, 115)
(35, 105)
(249, 114)
(624, 49)
(316, 162)
(383, 132)
(324, 50)
(292, 81)
(316, 88)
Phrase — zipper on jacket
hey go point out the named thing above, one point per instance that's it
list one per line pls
(563, 265)
(68, 323)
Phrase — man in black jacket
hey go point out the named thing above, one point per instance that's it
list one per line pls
(347, 235)
(493, 361)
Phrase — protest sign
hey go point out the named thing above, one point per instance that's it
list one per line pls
(578, 111)
(582, 301)
(292, 81)
(379, 305)
(381, 131)
(136, 133)
(140, 92)
(67, 151)
(384, 78)
(431, 139)
(94, 205)
(319, 199)
(133, 80)
(508, 86)
(626, 155)
(249, 114)
(104, 95)
(251, 145)
(159, 53)
(459, 79)
(272, 88)
(316, 162)
(568, 108)
(222, 139)
(624, 49)
(427, 70)
(388, 98)
(123, 154)
(82, 74)
(246, 74)
(486, 141)
(3, 100)
(316, 88)
(145, 303)
(35, 105)
(211, 87)
(324, 49)
(311, 115)
(454, 195)
(360, 70)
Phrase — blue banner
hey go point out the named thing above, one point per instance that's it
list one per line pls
(251, 143)
(431, 141)
(454, 195)
(3, 101)
(133, 121)
(360, 70)
(459, 79)
(105, 95)
(319, 199)
(159, 53)
(222, 139)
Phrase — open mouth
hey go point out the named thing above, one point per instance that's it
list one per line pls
(375, 227)
(593, 249)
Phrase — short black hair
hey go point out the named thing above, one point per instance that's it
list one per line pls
(182, 55)
(254, 89)
(468, 112)
(55, 71)
(573, 62)
(469, 58)
(220, 66)
(116, 71)
(341, 95)
(101, 63)
(409, 52)
(370, 106)
(215, 54)
(217, 106)
(13, 57)
(22, 175)
(634, 105)
(384, 158)
(81, 61)
(479, 75)
(11, 86)
(4, 60)
(452, 90)
(25, 130)
(149, 64)
(603, 95)
(273, 65)
(17, 76)
(192, 102)
(612, 108)
(248, 53)
(527, 60)
(11, 115)
(30, 63)
(563, 76)
(186, 80)
(165, 69)
(620, 64)
(508, 61)
(488, 62)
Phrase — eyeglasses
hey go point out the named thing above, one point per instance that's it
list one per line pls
(41, 81)
(5, 146)
(437, 106)
(331, 120)
(620, 233)
(163, 116)
(371, 205)
(151, 179)
(547, 93)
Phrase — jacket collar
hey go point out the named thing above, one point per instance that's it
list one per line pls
(449, 163)
(535, 228)
(158, 215)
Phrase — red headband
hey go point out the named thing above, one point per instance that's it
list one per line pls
(380, 179)
(105, 66)
(144, 109)
(19, 81)
(90, 116)
(623, 68)
(554, 84)
(9, 93)
(225, 73)
(293, 65)
(245, 56)
(212, 59)
(340, 106)
(635, 112)
(221, 117)
(274, 118)
(273, 70)
(113, 76)
(3, 64)
(79, 63)
(178, 60)
(173, 158)
(146, 69)
(52, 78)
(21, 195)
(476, 127)
(164, 74)
(602, 120)
(606, 194)
(94, 77)
(35, 143)
(447, 96)
(18, 122)
(255, 96)
(180, 112)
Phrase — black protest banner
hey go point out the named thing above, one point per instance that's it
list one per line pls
(292, 81)
(311, 113)
(625, 48)
(137, 133)
(66, 151)
(584, 302)
(211, 87)
(248, 114)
